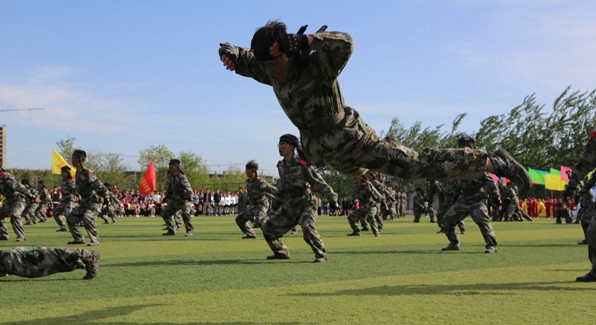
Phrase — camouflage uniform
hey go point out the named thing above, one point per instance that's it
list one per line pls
(419, 207)
(403, 203)
(92, 194)
(368, 196)
(382, 205)
(389, 213)
(513, 211)
(69, 200)
(446, 192)
(257, 205)
(45, 201)
(586, 163)
(35, 262)
(31, 204)
(13, 205)
(587, 209)
(334, 134)
(471, 201)
(179, 198)
(109, 206)
(294, 206)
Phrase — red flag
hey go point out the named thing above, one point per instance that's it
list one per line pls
(147, 184)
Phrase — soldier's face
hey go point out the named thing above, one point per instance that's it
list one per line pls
(285, 149)
(250, 173)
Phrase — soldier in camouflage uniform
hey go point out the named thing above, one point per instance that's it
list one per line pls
(35, 262)
(31, 203)
(403, 202)
(13, 205)
(382, 205)
(92, 194)
(69, 200)
(303, 71)
(257, 204)
(109, 207)
(512, 210)
(45, 201)
(587, 209)
(585, 164)
(368, 196)
(293, 203)
(471, 201)
(179, 198)
(418, 204)
(446, 192)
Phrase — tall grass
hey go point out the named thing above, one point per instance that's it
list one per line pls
(402, 277)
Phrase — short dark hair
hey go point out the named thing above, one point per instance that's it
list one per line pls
(81, 154)
(465, 141)
(264, 38)
(252, 165)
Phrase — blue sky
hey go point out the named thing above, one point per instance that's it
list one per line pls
(122, 76)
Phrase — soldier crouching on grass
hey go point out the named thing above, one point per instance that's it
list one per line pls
(35, 262)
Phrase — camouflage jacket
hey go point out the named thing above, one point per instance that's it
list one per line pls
(68, 188)
(256, 189)
(178, 188)
(297, 178)
(44, 196)
(366, 192)
(384, 191)
(90, 189)
(10, 188)
(445, 190)
(32, 195)
(475, 190)
(311, 98)
(418, 203)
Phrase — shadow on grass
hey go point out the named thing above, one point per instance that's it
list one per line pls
(206, 262)
(92, 317)
(455, 289)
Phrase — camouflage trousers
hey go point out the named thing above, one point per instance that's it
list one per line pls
(41, 211)
(479, 213)
(355, 147)
(34, 262)
(29, 212)
(86, 214)
(443, 208)
(368, 212)
(107, 212)
(296, 211)
(256, 213)
(591, 236)
(14, 208)
(172, 208)
(65, 208)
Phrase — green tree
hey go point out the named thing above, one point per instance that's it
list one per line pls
(66, 147)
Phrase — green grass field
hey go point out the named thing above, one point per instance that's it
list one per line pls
(402, 277)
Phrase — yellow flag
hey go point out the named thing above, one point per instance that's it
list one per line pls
(554, 182)
(58, 162)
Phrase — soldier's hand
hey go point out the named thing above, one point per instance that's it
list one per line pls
(228, 54)
(293, 43)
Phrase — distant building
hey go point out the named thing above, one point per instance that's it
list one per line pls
(3, 146)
